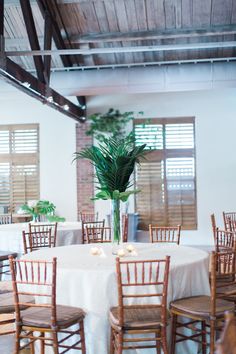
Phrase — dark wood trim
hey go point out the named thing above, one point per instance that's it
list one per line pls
(45, 7)
(16, 76)
(33, 38)
(1, 26)
(47, 45)
(47, 10)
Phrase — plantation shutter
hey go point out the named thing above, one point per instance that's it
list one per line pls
(166, 177)
(19, 165)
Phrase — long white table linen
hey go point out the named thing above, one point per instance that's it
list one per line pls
(68, 233)
(89, 282)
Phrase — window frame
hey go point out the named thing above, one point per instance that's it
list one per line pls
(23, 158)
(158, 155)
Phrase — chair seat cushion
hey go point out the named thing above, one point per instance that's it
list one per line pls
(137, 317)
(7, 302)
(41, 317)
(200, 306)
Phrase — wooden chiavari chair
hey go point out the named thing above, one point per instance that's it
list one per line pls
(125, 227)
(224, 240)
(33, 241)
(5, 219)
(227, 217)
(90, 224)
(164, 234)
(227, 342)
(98, 234)
(7, 307)
(206, 310)
(4, 263)
(38, 279)
(146, 281)
(44, 228)
(88, 217)
(213, 223)
(226, 275)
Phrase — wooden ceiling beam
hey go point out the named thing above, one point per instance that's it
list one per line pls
(24, 81)
(46, 8)
(2, 27)
(131, 49)
(47, 45)
(32, 36)
(154, 34)
(58, 39)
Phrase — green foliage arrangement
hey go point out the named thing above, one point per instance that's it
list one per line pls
(41, 207)
(114, 161)
(112, 123)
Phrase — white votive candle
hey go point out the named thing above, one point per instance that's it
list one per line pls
(94, 251)
(130, 248)
(121, 253)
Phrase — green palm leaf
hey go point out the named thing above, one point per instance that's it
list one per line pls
(114, 161)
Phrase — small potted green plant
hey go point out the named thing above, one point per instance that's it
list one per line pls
(41, 207)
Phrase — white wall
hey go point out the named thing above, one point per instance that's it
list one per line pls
(57, 145)
(215, 113)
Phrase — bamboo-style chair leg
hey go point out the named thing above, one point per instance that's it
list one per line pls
(112, 351)
(173, 333)
(164, 340)
(120, 343)
(32, 348)
(204, 347)
(212, 336)
(55, 342)
(42, 346)
(17, 340)
(82, 337)
(158, 347)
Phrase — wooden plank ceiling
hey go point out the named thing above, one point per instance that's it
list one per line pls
(138, 32)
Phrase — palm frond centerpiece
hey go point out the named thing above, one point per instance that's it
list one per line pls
(114, 161)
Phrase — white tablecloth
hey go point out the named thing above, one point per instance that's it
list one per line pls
(68, 233)
(89, 282)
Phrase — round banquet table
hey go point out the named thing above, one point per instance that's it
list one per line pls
(68, 233)
(89, 282)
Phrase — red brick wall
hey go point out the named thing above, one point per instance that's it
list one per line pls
(85, 185)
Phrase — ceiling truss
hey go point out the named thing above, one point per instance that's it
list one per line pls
(38, 87)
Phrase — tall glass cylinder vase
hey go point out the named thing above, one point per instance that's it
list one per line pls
(115, 225)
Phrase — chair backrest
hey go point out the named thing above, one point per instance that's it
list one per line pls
(33, 241)
(90, 224)
(224, 240)
(231, 224)
(227, 341)
(164, 234)
(4, 262)
(223, 277)
(34, 278)
(5, 219)
(88, 217)
(44, 228)
(141, 281)
(227, 217)
(98, 234)
(225, 270)
(125, 227)
(213, 222)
